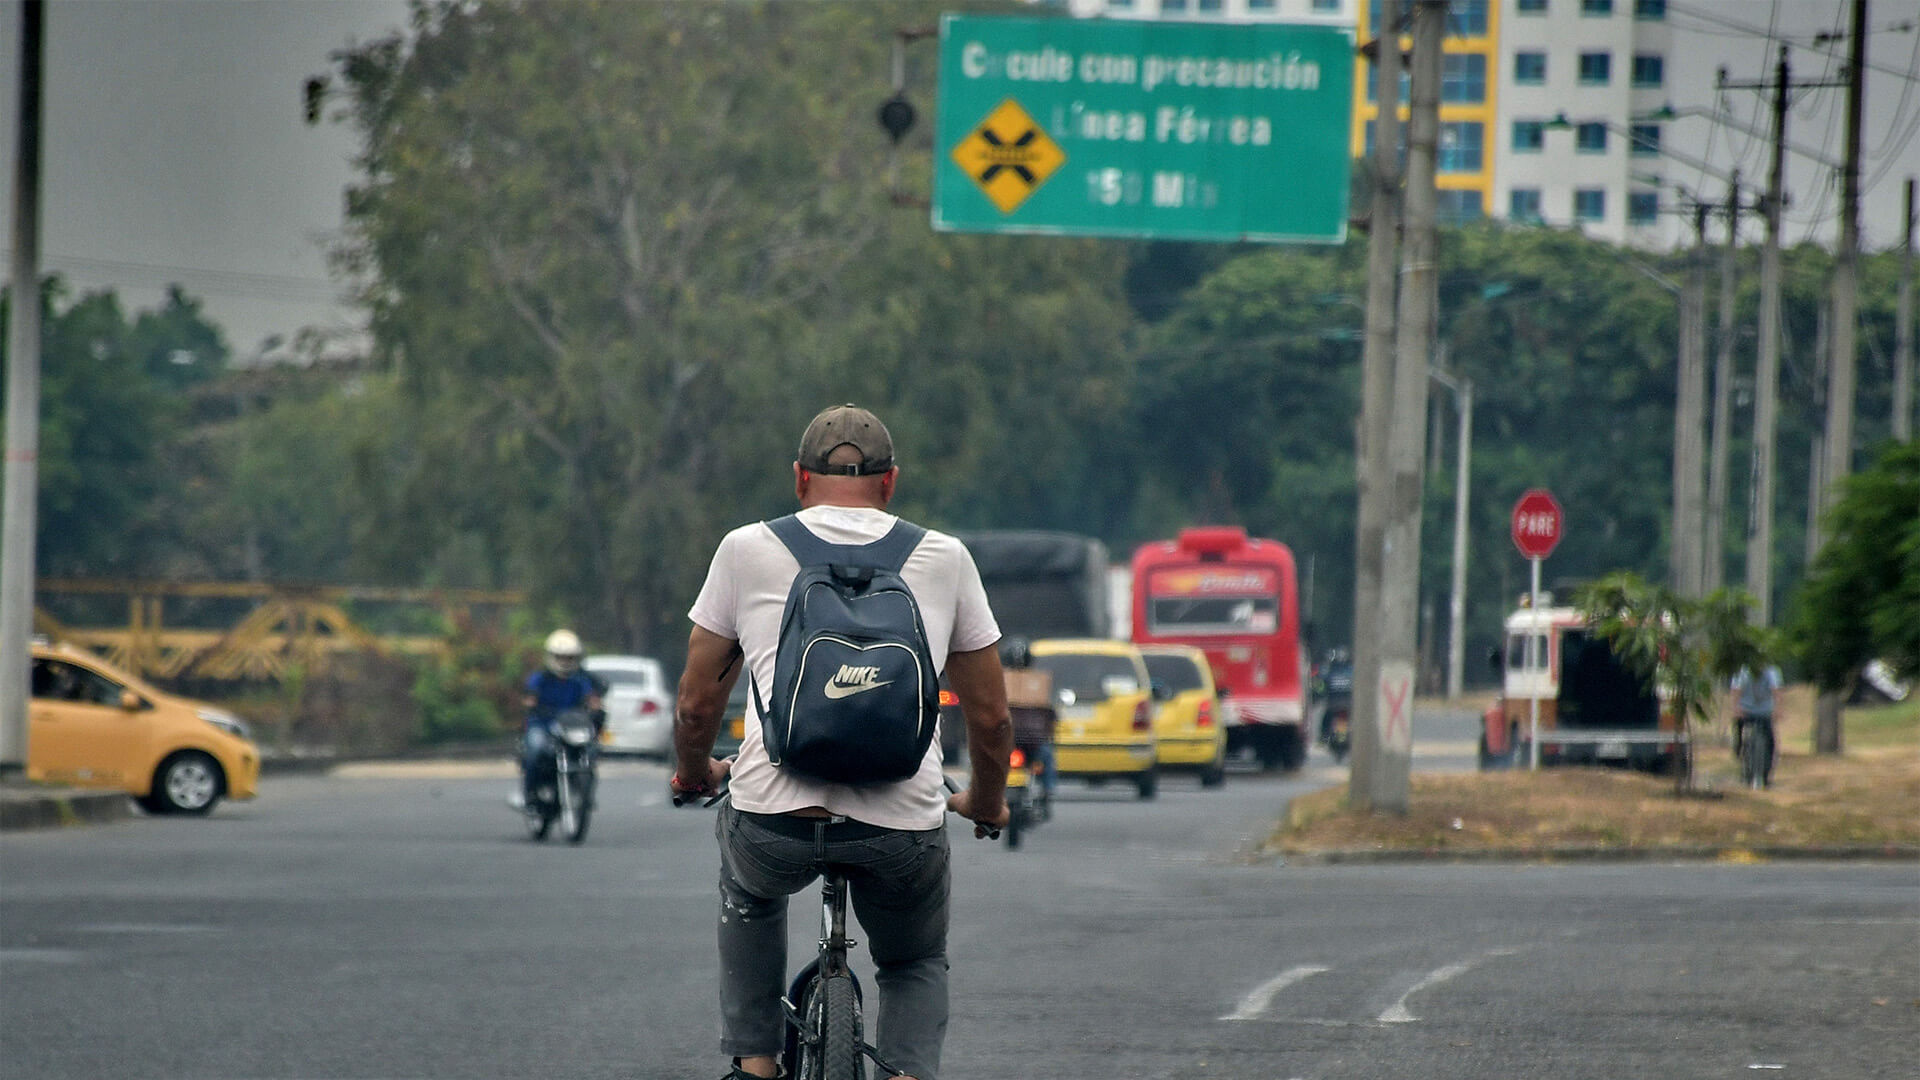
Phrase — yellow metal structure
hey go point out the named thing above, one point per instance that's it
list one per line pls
(286, 627)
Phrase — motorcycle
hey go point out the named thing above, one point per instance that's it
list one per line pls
(563, 792)
(1336, 715)
(1029, 799)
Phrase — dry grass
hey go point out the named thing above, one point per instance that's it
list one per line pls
(1867, 797)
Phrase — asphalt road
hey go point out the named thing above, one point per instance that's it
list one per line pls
(395, 922)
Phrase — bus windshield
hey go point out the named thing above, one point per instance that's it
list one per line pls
(1214, 614)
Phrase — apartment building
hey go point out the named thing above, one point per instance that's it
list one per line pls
(1549, 109)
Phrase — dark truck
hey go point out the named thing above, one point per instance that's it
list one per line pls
(1041, 584)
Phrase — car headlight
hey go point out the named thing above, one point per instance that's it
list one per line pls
(226, 722)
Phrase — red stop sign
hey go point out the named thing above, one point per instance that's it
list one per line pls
(1537, 524)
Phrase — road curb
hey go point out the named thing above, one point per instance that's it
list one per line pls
(54, 808)
(1726, 853)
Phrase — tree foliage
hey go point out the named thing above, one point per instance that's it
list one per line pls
(1685, 647)
(1862, 598)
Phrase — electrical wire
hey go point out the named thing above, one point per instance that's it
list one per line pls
(284, 287)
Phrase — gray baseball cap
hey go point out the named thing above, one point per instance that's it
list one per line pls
(846, 425)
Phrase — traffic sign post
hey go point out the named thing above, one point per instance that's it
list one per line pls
(1103, 127)
(1536, 525)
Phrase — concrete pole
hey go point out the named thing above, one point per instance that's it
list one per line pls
(1457, 596)
(23, 404)
(1766, 379)
(1846, 300)
(1688, 419)
(1903, 334)
(1406, 438)
(1713, 536)
(1376, 404)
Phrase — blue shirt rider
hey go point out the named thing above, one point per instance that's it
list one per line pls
(554, 688)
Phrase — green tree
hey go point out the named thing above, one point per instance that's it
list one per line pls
(1862, 599)
(1681, 646)
(618, 253)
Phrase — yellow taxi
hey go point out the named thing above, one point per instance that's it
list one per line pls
(91, 725)
(1102, 696)
(1186, 728)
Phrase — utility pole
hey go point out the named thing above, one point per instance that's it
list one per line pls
(1713, 539)
(23, 404)
(1766, 379)
(1689, 418)
(1376, 404)
(1406, 439)
(1903, 334)
(1462, 388)
(1846, 299)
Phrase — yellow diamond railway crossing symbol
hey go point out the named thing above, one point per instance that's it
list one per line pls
(1008, 156)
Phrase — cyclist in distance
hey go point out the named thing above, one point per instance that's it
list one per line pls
(558, 685)
(781, 826)
(1755, 697)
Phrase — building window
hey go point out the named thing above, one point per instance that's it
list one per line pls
(1173, 7)
(1402, 129)
(1523, 204)
(1460, 148)
(1463, 78)
(1531, 7)
(1211, 7)
(1530, 68)
(1596, 68)
(1596, 7)
(1649, 9)
(1457, 206)
(1649, 70)
(1529, 136)
(1467, 18)
(1643, 207)
(1589, 204)
(1646, 140)
(1590, 138)
(1120, 5)
(1322, 6)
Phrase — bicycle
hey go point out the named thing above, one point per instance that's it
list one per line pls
(825, 1027)
(1756, 751)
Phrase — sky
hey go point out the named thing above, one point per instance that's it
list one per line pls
(175, 149)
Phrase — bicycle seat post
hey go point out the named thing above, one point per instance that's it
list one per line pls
(834, 943)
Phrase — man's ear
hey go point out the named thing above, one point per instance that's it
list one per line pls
(887, 482)
(800, 477)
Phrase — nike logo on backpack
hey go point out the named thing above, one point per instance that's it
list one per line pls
(851, 680)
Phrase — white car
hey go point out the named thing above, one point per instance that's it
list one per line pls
(638, 702)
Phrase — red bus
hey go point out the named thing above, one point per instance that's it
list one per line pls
(1235, 598)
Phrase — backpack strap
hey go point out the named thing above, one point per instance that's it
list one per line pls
(890, 552)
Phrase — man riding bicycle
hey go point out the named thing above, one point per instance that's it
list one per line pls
(1755, 698)
(782, 826)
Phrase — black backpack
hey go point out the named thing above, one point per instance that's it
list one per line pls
(856, 697)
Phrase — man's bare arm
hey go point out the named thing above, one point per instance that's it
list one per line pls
(977, 681)
(713, 665)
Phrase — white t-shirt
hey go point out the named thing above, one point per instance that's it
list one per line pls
(743, 599)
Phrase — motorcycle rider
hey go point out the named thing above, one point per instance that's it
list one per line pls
(559, 685)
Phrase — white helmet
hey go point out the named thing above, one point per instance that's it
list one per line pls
(563, 652)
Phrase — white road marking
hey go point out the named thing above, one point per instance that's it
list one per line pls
(1261, 996)
(1398, 1014)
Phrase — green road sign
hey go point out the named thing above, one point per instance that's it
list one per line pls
(1194, 131)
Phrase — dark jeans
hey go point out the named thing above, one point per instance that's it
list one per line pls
(1744, 727)
(898, 883)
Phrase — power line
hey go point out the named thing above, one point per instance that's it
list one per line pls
(288, 287)
(1816, 46)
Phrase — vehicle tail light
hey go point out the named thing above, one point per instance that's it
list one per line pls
(648, 708)
(1142, 717)
(948, 697)
(1017, 759)
(1205, 719)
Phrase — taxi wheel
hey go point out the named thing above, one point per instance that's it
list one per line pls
(189, 782)
(1215, 774)
(1148, 783)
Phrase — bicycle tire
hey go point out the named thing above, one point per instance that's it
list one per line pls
(580, 796)
(840, 1035)
(1752, 761)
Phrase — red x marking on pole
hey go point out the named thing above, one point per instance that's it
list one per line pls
(1396, 707)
